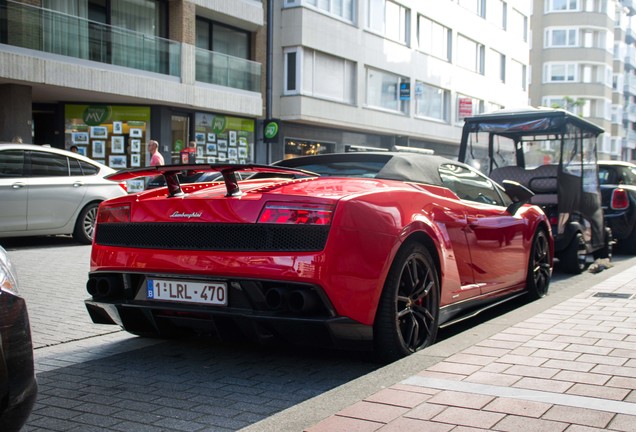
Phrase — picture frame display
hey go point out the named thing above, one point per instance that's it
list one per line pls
(135, 133)
(117, 144)
(135, 145)
(99, 149)
(79, 137)
(117, 161)
(99, 132)
(117, 127)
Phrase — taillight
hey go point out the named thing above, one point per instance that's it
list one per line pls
(113, 213)
(620, 200)
(554, 220)
(301, 214)
(124, 186)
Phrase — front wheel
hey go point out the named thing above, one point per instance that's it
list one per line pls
(539, 266)
(408, 311)
(573, 259)
(85, 224)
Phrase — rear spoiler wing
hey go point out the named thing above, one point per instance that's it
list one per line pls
(228, 171)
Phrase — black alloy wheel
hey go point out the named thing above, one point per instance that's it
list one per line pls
(408, 312)
(539, 266)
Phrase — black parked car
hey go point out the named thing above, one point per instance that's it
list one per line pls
(618, 191)
(18, 388)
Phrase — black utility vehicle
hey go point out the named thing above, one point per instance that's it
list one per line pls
(553, 153)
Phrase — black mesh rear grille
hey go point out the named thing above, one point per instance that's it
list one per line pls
(214, 236)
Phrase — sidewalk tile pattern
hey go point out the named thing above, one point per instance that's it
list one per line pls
(570, 368)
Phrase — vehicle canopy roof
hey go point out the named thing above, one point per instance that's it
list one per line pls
(516, 123)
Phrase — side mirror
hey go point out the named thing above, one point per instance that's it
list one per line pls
(519, 194)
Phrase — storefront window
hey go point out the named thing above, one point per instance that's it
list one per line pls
(223, 138)
(299, 147)
(113, 135)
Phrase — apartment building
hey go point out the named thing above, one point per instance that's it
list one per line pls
(378, 73)
(108, 75)
(583, 59)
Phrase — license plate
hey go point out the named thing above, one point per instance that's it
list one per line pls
(209, 293)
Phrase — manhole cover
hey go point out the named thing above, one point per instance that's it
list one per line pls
(613, 295)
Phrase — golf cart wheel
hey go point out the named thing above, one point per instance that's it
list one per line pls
(573, 259)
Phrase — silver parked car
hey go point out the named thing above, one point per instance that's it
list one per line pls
(48, 191)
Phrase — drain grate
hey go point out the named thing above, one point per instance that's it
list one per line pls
(613, 295)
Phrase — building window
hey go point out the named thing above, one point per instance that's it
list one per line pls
(559, 72)
(518, 25)
(561, 37)
(328, 77)
(518, 75)
(213, 36)
(467, 106)
(317, 74)
(389, 19)
(383, 91)
(561, 5)
(431, 102)
(291, 77)
(496, 65)
(475, 6)
(301, 147)
(470, 54)
(434, 38)
(594, 38)
(496, 13)
(341, 8)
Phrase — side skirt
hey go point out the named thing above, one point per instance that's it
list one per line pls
(453, 314)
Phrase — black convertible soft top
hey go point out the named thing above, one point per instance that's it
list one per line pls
(401, 166)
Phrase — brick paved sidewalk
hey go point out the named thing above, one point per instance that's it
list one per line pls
(569, 368)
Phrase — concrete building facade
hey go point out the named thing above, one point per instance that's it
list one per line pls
(108, 75)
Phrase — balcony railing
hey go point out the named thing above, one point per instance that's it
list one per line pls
(58, 33)
(217, 68)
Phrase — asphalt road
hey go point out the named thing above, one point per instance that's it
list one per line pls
(96, 377)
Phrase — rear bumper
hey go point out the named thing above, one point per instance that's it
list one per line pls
(261, 310)
(171, 320)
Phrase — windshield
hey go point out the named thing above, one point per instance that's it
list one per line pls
(366, 169)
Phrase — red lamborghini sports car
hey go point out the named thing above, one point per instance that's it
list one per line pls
(352, 250)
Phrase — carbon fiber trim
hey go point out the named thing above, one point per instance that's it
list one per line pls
(214, 236)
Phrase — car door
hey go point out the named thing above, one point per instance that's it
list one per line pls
(495, 237)
(13, 191)
(54, 195)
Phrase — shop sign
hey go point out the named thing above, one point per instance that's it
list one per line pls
(270, 130)
(405, 91)
(465, 107)
(94, 115)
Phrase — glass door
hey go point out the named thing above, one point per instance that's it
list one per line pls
(180, 136)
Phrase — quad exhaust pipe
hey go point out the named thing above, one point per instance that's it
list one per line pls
(297, 301)
(104, 286)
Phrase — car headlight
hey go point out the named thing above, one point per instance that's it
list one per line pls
(8, 276)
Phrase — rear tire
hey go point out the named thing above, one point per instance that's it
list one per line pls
(539, 266)
(408, 311)
(573, 259)
(85, 224)
(608, 246)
